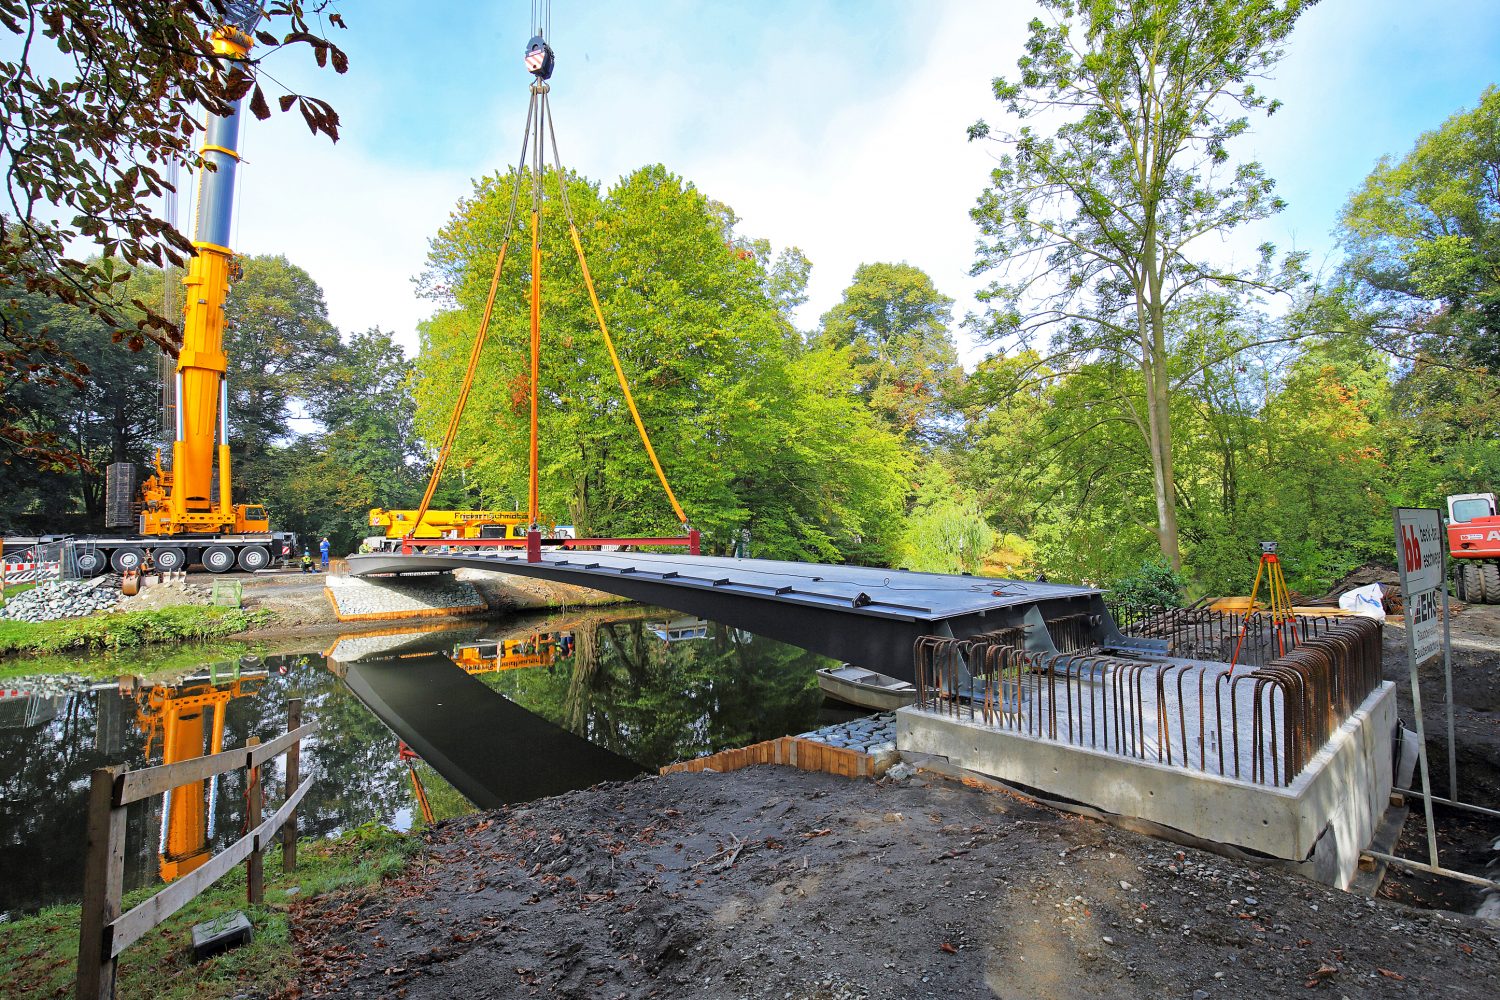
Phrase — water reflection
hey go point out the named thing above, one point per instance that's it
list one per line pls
(180, 722)
(609, 676)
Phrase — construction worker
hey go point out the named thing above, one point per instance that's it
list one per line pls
(307, 564)
(323, 548)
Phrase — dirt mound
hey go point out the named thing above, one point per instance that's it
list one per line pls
(1363, 576)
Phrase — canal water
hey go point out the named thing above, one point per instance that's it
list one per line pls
(506, 710)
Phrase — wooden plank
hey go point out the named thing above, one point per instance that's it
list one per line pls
(293, 779)
(260, 754)
(154, 780)
(265, 833)
(129, 928)
(255, 799)
(103, 873)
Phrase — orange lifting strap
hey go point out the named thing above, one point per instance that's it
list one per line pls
(538, 112)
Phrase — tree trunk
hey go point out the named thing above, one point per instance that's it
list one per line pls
(1151, 328)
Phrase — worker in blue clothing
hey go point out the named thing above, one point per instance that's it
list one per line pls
(323, 548)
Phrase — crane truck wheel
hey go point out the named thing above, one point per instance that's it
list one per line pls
(1491, 574)
(91, 563)
(218, 559)
(126, 557)
(170, 560)
(254, 557)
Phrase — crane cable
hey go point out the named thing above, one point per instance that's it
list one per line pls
(614, 357)
(484, 325)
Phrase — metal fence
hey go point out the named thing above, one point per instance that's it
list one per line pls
(1261, 720)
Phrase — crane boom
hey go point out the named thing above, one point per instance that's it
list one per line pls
(195, 495)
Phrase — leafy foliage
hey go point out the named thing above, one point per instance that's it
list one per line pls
(752, 430)
(1423, 235)
(1155, 584)
(894, 324)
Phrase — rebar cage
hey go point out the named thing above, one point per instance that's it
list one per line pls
(1160, 690)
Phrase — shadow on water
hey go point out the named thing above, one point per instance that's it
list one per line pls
(505, 711)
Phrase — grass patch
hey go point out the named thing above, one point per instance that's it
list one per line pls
(38, 953)
(127, 629)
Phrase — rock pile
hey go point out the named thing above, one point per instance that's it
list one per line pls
(356, 597)
(873, 734)
(50, 601)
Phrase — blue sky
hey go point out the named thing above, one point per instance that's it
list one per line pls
(837, 127)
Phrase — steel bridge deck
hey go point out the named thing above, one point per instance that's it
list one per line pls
(871, 617)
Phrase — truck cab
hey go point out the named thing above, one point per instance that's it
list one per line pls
(1473, 528)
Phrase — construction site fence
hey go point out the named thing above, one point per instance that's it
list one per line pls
(1258, 722)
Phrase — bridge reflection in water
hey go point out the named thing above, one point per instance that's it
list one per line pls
(485, 745)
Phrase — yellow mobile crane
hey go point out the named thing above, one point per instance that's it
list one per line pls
(456, 524)
(184, 513)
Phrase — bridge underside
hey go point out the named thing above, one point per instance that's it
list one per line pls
(872, 617)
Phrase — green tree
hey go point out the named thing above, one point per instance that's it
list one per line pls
(1096, 226)
(751, 432)
(365, 455)
(945, 532)
(1423, 236)
(894, 323)
(280, 345)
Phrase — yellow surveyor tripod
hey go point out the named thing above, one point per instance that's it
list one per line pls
(1282, 620)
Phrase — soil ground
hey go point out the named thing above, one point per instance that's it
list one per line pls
(843, 888)
(915, 888)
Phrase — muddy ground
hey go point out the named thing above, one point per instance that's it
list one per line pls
(770, 882)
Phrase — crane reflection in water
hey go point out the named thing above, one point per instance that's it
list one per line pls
(179, 722)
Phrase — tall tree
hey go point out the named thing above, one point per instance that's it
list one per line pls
(1096, 226)
(280, 345)
(365, 454)
(1423, 235)
(753, 432)
(894, 323)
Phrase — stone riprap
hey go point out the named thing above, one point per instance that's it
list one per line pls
(354, 597)
(872, 734)
(58, 599)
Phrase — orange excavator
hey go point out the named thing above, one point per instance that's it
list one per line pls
(1474, 544)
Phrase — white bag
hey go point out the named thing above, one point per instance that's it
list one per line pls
(1366, 601)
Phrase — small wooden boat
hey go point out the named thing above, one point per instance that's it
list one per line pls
(865, 688)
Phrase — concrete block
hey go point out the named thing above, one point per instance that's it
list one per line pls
(1326, 816)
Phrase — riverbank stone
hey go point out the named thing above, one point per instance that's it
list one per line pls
(54, 600)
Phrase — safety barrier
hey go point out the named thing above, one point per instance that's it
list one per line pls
(104, 932)
(1260, 723)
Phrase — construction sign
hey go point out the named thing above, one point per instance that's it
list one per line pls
(1419, 558)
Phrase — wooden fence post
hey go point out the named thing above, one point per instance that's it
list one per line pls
(103, 878)
(255, 796)
(293, 764)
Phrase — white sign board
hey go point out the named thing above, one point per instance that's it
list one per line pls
(1419, 558)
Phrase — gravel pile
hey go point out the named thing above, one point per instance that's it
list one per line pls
(369, 597)
(872, 734)
(46, 685)
(53, 600)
